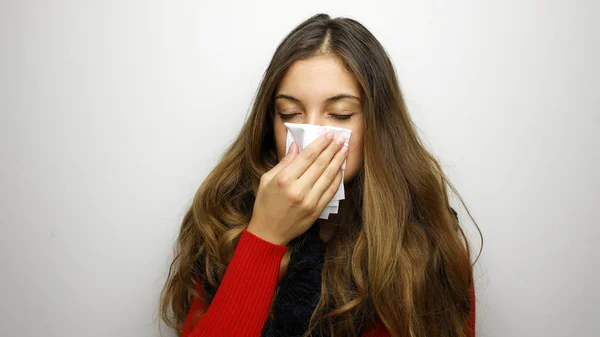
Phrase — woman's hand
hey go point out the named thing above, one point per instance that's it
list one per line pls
(292, 195)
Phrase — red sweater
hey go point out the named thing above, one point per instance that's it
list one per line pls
(242, 302)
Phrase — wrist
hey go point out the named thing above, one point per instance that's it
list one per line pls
(266, 235)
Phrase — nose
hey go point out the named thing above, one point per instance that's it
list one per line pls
(315, 117)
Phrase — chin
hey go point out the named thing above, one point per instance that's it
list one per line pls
(348, 178)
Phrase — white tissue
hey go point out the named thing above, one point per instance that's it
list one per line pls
(303, 135)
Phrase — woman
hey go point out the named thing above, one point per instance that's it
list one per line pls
(253, 259)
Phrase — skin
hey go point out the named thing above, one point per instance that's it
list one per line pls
(312, 92)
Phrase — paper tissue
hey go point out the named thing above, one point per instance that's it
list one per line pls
(304, 134)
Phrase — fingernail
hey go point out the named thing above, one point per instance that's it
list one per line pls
(293, 146)
(340, 140)
(344, 150)
(330, 135)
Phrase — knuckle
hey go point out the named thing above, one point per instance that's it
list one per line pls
(307, 207)
(296, 197)
(309, 154)
(283, 181)
(331, 174)
(321, 163)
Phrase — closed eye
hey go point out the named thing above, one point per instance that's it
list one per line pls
(342, 117)
(289, 116)
(286, 116)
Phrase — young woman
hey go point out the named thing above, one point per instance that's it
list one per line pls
(254, 259)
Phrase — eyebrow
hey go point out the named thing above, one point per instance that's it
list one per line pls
(329, 100)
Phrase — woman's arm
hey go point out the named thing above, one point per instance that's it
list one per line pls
(243, 299)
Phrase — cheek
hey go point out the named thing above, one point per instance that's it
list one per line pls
(280, 132)
(355, 158)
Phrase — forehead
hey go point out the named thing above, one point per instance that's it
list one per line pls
(317, 77)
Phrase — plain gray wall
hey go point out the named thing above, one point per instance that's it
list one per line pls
(113, 112)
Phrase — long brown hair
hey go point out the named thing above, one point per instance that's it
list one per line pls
(401, 257)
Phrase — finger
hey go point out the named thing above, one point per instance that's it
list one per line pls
(312, 174)
(286, 160)
(330, 191)
(308, 155)
(329, 175)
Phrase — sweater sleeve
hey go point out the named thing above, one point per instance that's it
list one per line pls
(243, 299)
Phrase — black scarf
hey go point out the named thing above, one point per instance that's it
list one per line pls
(298, 292)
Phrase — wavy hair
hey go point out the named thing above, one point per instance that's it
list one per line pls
(397, 252)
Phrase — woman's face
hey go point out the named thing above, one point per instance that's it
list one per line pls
(321, 91)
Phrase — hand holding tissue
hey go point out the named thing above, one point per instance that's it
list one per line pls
(303, 135)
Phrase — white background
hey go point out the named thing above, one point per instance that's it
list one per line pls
(113, 112)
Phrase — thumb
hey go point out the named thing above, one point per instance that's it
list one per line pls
(285, 161)
(291, 153)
